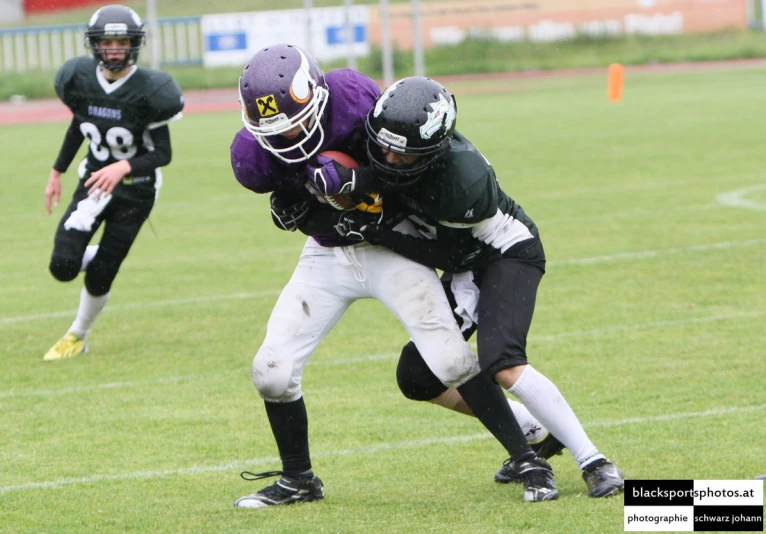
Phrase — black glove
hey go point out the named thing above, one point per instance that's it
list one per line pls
(360, 226)
(287, 212)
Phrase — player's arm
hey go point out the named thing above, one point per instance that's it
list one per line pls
(66, 90)
(160, 156)
(319, 222)
(72, 141)
(444, 252)
(437, 253)
(498, 230)
(454, 247)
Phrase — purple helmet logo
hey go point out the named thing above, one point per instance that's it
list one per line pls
(283, 95)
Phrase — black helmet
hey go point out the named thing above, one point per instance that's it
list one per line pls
(413, 117)
(120, 22)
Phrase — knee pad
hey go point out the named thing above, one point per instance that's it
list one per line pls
(100, 275)
(416, 380)
(272, 376)
(64, 269)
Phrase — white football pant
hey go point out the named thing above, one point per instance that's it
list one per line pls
(325, 283)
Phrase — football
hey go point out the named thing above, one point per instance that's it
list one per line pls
(342, 158)
(349, 201)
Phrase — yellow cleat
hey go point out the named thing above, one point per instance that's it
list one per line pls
(68, 346)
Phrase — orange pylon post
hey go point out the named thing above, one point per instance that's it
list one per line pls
(615, 81)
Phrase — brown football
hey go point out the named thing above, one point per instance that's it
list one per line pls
(342, 158)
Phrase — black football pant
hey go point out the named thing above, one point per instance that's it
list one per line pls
(122, 219)
(506, 306)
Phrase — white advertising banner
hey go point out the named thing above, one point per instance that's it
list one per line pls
(231, 39)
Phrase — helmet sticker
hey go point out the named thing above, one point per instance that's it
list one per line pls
(300, 88)
(271, 121)
(135, 16)
(392, 139)
(115, 28)
(385, 96)
(443, 113)
(267, 105)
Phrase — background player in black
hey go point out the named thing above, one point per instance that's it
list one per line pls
(434, 175)
(123, 110)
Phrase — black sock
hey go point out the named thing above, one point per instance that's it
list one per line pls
(489, 404)
(290, 426)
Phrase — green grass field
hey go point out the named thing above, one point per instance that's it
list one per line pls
(650, 320)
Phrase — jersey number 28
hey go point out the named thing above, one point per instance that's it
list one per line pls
(119, 142)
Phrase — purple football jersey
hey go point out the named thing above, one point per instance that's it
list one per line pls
(352, 95)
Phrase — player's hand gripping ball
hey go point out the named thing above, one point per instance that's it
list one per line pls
(371, 203)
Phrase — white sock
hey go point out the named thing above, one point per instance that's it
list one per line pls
(90, 252)
(532, 428)
(89, 309)
(545, 402)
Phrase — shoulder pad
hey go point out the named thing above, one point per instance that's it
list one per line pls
(472, 195)
(164, 97)
(66, 75)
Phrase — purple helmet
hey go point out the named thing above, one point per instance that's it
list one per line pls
(283, 94)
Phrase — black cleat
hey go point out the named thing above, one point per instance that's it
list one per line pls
(284, 491)
(545, 449)
(537, 476)
(603, 478)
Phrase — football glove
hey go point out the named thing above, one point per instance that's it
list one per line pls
(288, 215)
(359, 226)
(328, 177)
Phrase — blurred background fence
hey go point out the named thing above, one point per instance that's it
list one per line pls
(47, 47)
(334, 30)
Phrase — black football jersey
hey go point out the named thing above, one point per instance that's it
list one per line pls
(458, 201)
(116, 118)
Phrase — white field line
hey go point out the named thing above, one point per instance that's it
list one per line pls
(738, 198)
(17, 289)
(169, 380)
(606, 191)
(183, 259)
(142, 305)
(359, 451)
(597, 332)
(623, 187)
(274, 292)
(659, 252)
(638, 214)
